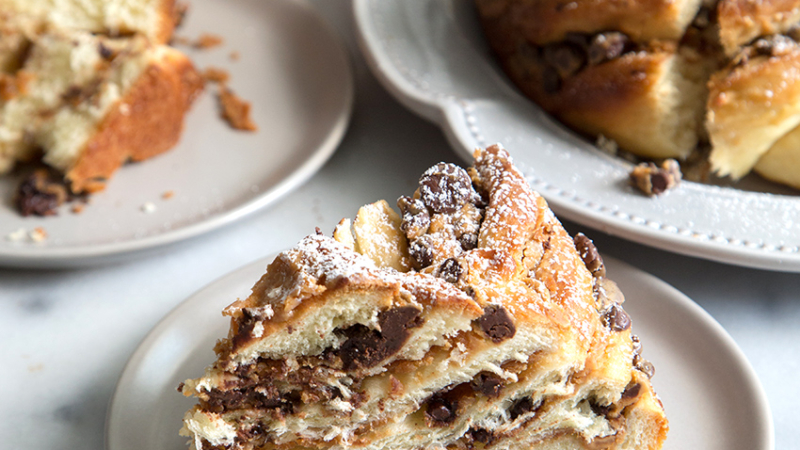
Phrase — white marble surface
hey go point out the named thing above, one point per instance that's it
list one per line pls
(67, 334)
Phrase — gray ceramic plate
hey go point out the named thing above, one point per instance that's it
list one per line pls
(292, 68)
(431, 55)
(711, 394)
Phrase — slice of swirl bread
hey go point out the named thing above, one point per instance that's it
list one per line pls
(87, 102)
(473, 319)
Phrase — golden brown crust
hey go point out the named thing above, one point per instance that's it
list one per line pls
(628, 99)
(168, 18)
(741, 21)
(752, 105)
(146, 122)
(545, 21)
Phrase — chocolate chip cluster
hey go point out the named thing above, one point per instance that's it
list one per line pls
(577, 51)
(443, 217)
(609, 299)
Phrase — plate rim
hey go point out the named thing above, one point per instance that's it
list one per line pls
(763, 423)
(45, 257)
(452, 115)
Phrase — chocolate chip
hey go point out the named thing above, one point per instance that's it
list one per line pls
(364, 348)
(637, 344)
(606, 46)
(445, 187)
(659, 182)
(416, 218)
(440, 411)
(480, 435)
(600, 410)
(616, 318)
(565, 58)
(646, 367)
(521, 407)
(468, 241)
(40, 194)
(631, 391)
(487, 384)
(591, 257)
(655, 180)
(497, 323)
(421, 254)
(105, 52)
(450, 270)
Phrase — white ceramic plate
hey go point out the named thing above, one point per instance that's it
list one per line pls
(709, 390)
(431, 55)
(294, 70)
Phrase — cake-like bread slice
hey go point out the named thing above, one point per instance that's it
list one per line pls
(90, 102)
(154, 19)
(471, 320)
(742, 21)
(753, 103)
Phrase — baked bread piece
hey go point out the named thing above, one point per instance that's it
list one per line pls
(648, 98)
(753, 103)
(90, 103)
(472, 320)
(723, 78)
(155, 19)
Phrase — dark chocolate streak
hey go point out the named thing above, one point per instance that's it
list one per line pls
(488, 384)
(364, 348)
(247, 397)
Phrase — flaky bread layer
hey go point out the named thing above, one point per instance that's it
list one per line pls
(750, 107)
(323, 286)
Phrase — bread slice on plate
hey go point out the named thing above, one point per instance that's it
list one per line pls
(88, 103)
(471, 319)
(154, 19)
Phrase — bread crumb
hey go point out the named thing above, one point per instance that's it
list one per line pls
(149, 208)
(17, 236)
(235, 110)
(234, 56)
(77, 209)
(216, 75)
(181, 9)
(654, 180)
(607, 145)
(207, 41)
(38, 234)
(168, 195)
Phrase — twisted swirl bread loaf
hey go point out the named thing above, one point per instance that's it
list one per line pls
(663, 78)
